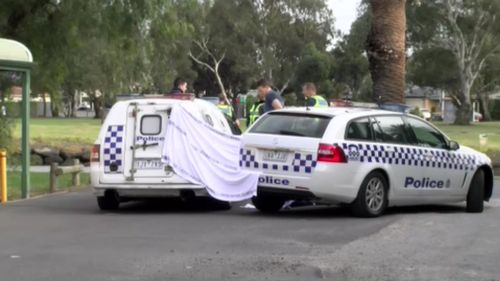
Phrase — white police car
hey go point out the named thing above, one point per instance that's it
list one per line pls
(126, 157)
(365, 159)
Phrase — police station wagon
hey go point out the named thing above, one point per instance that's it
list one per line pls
(126, 157)
(362, 158)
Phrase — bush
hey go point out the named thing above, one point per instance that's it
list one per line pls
(495, 110)
(6, 134)
(416, 111)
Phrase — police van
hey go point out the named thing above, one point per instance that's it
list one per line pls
(126, 157)
(367, 159)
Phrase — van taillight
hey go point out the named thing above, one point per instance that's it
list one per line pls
(95, 155)
(331, 153)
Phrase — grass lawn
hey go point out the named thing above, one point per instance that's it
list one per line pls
(60, 131)
(63, 131)
(39, 183)
(469, 135)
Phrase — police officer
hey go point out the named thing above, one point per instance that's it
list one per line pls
(255, 111)
(225, 108)
(272, 100)
(313, 100)
(228, 111)
(179, 87)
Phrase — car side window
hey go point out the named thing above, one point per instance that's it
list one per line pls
(359, 129)
(393, 129)
(426, 135)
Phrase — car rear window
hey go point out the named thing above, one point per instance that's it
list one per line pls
(301, 125)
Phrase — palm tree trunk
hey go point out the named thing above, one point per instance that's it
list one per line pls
(386, 50)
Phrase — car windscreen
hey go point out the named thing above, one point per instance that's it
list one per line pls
(292, 124)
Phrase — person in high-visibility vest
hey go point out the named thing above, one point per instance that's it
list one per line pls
(225, 108)
(313, 100)
(255, 112)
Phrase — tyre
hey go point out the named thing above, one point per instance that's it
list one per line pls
(268, 204)
(110, 201)
(372, 196)
(475, 196)
(221, 205)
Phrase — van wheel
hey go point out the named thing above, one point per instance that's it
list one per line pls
(222, 205)
(268, 204)
(110, 201)
(475, 196)
(372, 196)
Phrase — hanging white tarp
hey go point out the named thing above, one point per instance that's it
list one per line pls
(206, 156)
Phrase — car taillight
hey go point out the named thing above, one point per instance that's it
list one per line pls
(95, 155)
(331, 154)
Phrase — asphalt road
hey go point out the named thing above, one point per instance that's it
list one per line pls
(64, 237)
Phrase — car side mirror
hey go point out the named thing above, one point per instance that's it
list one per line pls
(454, 145)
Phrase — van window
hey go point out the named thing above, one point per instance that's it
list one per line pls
(292, 124)
(359, 129)
(393, 129)
(150, 125)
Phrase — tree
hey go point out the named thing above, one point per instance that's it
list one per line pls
(314, 66)
(350, 72)
(386, 50)
(468, 30)
(213, 63)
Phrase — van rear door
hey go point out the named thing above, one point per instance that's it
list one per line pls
(145, 135)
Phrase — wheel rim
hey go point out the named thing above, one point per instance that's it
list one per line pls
(374, 196)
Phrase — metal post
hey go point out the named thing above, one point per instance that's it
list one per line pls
(3, 176)
(25, 145)
(53, 178)
(76, 175)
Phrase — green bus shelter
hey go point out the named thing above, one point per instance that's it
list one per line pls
(15, 57)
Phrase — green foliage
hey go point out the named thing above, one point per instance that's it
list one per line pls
(6, 126)
(350, 66)
(495, 110)
(314, 66)
(416, 111)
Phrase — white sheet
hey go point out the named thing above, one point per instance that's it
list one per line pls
(205, 156)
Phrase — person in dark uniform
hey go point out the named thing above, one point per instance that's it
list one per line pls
(272, 100)
(179, 88)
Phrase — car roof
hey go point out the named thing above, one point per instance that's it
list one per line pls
(337, 111)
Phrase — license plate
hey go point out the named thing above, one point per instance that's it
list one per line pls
(148, 164)
(275, 156)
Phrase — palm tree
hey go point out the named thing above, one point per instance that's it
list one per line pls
(386, 50)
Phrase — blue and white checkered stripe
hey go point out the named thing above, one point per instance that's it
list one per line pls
(410, 156)
(113, 148)
(302, 163)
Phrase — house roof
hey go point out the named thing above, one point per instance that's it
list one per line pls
(423, 92)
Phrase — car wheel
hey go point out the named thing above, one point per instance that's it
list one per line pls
(110, 201)
(268, 204)
(475, 196)
(372, 196)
